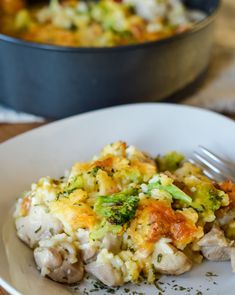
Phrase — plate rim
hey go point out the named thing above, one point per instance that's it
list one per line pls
(116, 107)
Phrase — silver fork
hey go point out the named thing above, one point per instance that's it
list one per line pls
(213, 165)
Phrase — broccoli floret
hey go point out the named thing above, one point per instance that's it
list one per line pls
(118, 208)
(169, 162)
(207, 199)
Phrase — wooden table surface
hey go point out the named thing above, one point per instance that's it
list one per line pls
(10, 130)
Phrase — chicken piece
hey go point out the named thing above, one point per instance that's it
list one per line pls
(52, 263)
(88, 250)
(215, 246)
(106, 273)
(227, 217)
(68, 273)
(106, 269)
(148, 9)
(216, 253)
(112, 243)
(169, 260)
(37, 225)
(47, 259)
(12, 6)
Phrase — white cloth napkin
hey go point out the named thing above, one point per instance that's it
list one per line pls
(218, 90)
(8, 115)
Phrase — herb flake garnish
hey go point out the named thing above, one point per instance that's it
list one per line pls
(159, 258)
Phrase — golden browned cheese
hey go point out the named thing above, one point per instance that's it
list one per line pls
(89, 34)
(229, 188)
(25, 206)
(11, 6)
(73, 212)
(159, 220)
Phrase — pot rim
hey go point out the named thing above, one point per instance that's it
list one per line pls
(36, 45)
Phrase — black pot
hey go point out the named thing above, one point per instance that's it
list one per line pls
(56, 82)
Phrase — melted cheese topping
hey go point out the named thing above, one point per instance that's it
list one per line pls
(156, 219)
(73, 214)
(120, 194)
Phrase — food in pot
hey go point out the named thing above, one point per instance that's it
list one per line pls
(96, 23)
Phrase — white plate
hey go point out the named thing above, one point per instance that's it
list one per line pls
(49, 150)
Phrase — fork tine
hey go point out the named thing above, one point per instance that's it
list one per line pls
(219, 171)
(216, 158)
(206, 163)
(208, 173)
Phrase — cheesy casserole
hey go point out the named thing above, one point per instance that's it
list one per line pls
(125, 215)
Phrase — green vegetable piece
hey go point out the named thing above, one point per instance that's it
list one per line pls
(177, 193)
(74, 184)
(172, 189)
(102, 229)
(54, 3)
(169, 162)
(118, 208)
(22, 20)
(207, 199)
(159, 258)
(37, 230)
